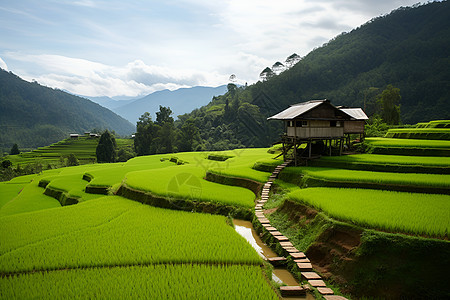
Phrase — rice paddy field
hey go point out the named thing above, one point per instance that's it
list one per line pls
(83, 148)
(134, 250)
(438, 161)
(384, 178)
(419, 133)
(407, 143)
(412, 213)
(107, 246)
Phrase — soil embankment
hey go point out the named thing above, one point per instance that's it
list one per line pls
(367, 263)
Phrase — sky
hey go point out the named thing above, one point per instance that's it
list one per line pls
(132, 48)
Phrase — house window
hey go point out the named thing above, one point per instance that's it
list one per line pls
(333, 123)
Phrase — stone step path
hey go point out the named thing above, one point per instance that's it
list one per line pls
(303, 263)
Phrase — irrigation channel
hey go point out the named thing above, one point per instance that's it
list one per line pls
(280, 275)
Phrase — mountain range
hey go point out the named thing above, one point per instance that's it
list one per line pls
(180, 101)
(32, 115)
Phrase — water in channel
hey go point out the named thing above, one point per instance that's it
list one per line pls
(280, 275)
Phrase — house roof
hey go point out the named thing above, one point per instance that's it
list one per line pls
(296, 109)
(356, 113)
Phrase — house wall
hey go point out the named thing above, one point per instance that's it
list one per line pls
(354, 126)
(316, 129)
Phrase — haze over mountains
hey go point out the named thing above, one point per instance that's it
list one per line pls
(32, 115)
(180, 101)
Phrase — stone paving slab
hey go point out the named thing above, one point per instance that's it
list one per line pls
(281, 237)
(286, 244)
(334, 297)
(271, 228)
(310, 275)
(298, 255)
(302, 260)
(304, 266)
(325, 291)
(317, 283)
(292, 290)
(266, 225)
(275, 233)
(277, 261)
(291, 249)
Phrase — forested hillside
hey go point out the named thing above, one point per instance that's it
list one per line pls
(32, 115)
(409, 49)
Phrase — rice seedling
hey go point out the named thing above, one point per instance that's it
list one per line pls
(341, 175)
(390, 159)
(113, 231)
(407, 143)
(419, 133)
(8, 191)
(184, 281)
(414, 213)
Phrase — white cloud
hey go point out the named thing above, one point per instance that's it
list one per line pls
(130, 48)
(84, 77)
(3, 64)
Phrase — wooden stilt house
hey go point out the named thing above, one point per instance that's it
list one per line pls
(317, 122)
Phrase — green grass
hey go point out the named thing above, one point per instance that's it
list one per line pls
(31, 198)
(8, 191)
(392, 211)
(407, 143)
(434, 124)
(137, 282)
(419, 133)
(410, 179)
(113, 231)
(390, 159)
(83, 148)
(186, 182)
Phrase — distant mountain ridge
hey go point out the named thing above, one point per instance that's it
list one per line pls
(32, 115)
(180, 101)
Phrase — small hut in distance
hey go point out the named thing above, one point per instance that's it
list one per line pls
(320, 123)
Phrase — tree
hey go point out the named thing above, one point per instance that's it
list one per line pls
(145, 132)
(164, 115)
(14, 150)
(6, 164)
(292, 60)
(389, 101)
(188, 135)
(106, 148)
(72, 160)
(266, 74)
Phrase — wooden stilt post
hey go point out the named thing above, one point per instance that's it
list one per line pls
(330, 146)
(309, 144)
(295, 151)
(341, 146)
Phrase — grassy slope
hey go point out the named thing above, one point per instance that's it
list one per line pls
(392, 211)
(151, 282)
(385, 178)
(407, 143)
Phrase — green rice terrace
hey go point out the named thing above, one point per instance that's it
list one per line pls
(161, 226)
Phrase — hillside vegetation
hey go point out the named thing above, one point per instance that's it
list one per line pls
(32, 115)
(407, 48)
